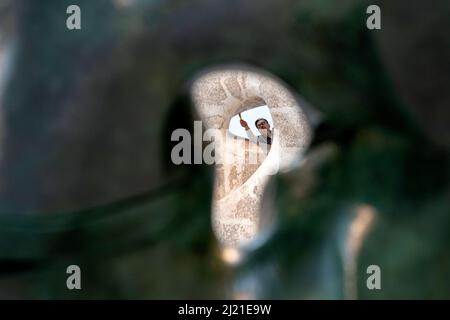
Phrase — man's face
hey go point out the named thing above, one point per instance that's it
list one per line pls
(263, 127)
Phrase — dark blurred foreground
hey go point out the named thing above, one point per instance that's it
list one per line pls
(85, 171)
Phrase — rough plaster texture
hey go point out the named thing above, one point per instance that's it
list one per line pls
(220, 94)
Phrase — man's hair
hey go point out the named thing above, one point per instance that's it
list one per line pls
(257, 120)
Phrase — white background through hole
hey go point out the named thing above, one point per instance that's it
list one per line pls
(250, 116)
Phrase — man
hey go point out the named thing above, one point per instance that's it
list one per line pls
(263, 127)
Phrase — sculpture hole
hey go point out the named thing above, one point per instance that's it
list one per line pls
(222, 98)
